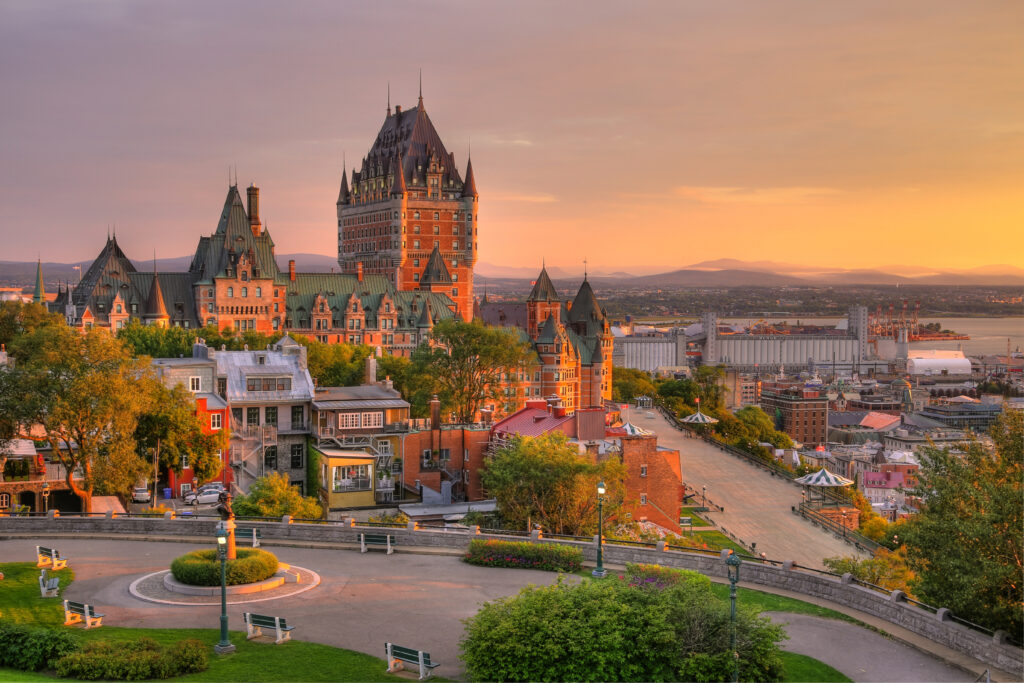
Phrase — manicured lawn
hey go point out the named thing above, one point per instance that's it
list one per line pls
(769, 602)
(694, 516)
(804, 669)
(19, 595)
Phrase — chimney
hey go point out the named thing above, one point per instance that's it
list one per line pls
(435, 413)
(359, 271)
(398, 109)
(371, 370)
(559, 411)
(291, 269)
(254, 209)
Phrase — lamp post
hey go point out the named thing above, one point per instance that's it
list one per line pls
(46, 496)
(224, 646)
(599, 572)
(732, 567)
(844, 524)
(704, 495)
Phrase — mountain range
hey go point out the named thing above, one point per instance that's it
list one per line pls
(725, 272)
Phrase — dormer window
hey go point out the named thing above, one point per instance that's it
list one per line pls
(244, 276)
(119, 308)
(355, 307)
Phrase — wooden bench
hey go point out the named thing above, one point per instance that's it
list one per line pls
(397, 653)
(49, 557)
(48, 587)
(79, 612)
(255, 623)
(253, 535)
(383, 540)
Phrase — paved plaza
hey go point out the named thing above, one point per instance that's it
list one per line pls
(757, 504)
(417, 600)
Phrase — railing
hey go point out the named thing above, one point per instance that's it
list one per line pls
(431, 465)
(855, 537)
(354, 484)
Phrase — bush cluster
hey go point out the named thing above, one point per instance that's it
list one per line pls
(610, 630)
(202, 568)
(138, 660)
(30, 648)
(524, 555)
(16, 468)
(656, 576)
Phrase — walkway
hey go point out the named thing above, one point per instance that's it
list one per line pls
(757, 504)
(416, 600)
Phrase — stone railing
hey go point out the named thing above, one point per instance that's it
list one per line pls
(935, 624)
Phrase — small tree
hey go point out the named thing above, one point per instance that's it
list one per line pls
(471, 363)
(628, 383)
(274, 496)
(546, 481)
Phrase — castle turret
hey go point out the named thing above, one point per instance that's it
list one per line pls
(40, 294)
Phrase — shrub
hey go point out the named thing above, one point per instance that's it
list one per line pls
(656, 576)
(609, 630)
(202, 567)
(523, 555)
(30, 648)
(137, 660)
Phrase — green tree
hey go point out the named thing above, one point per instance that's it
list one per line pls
(887, 568)
(85, 391)
(471, 363)
(156, 341)
(335, 365)
(709, 379)
(172, 431)
(966, 544)
(628, 383)
(274, 496)
(545, 480)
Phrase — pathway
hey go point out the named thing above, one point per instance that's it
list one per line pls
(757, 504)
(412, 599)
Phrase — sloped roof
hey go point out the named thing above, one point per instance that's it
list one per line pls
(543, 289)
(469, 189)
(436, 272)
(533, 422)
(586, 314)
(232, 240)
(111, 265)
(155, 300)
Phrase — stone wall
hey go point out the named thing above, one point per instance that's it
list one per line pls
(937, 627)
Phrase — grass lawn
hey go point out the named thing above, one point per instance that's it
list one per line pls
(769, 602)
(804, 669)
(19, 595)
(694, 516)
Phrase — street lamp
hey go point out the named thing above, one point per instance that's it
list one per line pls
(224, 646)
(732, 568)
(844, 523)
(46, 496)
(599, 572)
(704, 495)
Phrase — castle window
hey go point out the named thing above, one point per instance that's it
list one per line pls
(416, 263)
(455, 244)
(355, 306)
(437, 216)
(119, 308)
(209, 293)
(209, 308)
(259, 291)
(416, 229)
(436, 243)
(455, 292)
(437, 229)
(245, 276)
(415, 244)
(416, 215)
(245, 292)
(415, 277)
(135, 308)
(455, 230)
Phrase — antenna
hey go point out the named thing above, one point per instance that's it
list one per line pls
(584, 268)
(421, 87)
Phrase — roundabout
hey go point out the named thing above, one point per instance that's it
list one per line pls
(160, 587)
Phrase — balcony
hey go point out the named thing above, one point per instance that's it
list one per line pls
(354, 484)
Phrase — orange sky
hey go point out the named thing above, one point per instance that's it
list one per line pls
(642, 136)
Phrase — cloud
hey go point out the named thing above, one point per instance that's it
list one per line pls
(534, 198)
(755, 195)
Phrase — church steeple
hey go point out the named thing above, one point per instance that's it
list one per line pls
(40, 295)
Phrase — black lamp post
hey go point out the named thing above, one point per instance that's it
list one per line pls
(844, 523)
(224, 646)
(732, 567)
(704, 495)
(46, 496)
(599, 571)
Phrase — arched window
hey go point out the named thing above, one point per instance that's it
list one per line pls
(245, 292)
(245, 276)
(231, 291)
(119, 308)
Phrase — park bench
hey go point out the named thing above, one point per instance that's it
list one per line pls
(255, 623)
(79, 612)
(397, 653)
(383, 540)
(48, 587)
(253, 535)
(49, 557)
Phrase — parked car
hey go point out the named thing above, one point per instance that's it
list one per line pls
(205, 494)
(141, 494)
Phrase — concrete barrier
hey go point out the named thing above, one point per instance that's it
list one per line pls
(891, 607)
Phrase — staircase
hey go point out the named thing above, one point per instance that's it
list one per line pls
(249, 443)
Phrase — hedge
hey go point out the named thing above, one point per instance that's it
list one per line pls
(656, 576)
(524, 555)
(31, 648)
(138, 660)
(202, 567)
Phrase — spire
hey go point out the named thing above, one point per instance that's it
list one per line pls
(543, 289)
(469, 187)
(40, 296)
(425, 319)
(421, 89)
(343, 193)
(398, 184)
(389, 98)
(155, 309)
(436, 272)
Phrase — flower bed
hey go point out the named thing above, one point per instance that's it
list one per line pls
(523, 555)
(656, 576)
(202, 567)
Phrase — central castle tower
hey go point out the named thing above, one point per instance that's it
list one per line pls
(408, 215)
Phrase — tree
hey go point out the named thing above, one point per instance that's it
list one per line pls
(966, 544)
(274, 496)
(84, 390)
(471, 363)
(887, 568)
(156, 341)
(335, 365)
(545, 480)
(619, 630)
(628, 383)
(709, 379)
(173, 431)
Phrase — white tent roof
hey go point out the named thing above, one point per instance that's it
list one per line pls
(823, 478)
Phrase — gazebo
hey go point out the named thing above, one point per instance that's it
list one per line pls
(823, 479)
(699, 418)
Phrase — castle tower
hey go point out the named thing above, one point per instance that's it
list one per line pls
(407, 199)
(543, 303)
(40, 294)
